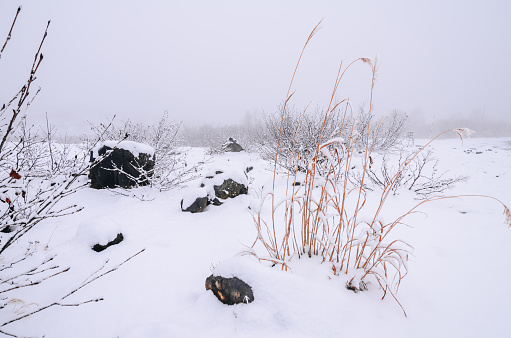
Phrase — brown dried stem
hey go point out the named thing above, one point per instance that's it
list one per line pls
(24, 92)
(10, 31)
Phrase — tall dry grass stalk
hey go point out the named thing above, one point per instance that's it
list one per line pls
(326, 216)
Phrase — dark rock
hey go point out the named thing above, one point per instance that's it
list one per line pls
(135, 171)
(362, 286)
(98, 247)
(219, 186)
(197, 206)
(7, 229)
(230, 188)
(230, 291)
(232, 146)
(296, 184)
(249, 169)
(215, 201)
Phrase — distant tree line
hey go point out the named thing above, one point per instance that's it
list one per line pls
(482, 123)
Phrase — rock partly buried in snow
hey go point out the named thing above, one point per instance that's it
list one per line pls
(130, 164)
(197, 206)
(99, 233)
(99, 247)
(229, 189)
(195, 200)
(224, 185)
(217, 185)
(232, 146)
(7, 229)
(362, 286)
(230, 291)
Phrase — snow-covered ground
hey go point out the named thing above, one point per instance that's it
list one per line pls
(459, 281)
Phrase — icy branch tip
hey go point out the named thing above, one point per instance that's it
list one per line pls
(464, 132)
(369, 61)
(507, 213)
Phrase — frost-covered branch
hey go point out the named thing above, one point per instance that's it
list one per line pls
(36, 174)
(418, 174)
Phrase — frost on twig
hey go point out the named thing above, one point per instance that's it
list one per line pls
(95, 276)
(464, 132)
(414, 173)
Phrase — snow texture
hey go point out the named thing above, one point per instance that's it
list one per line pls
(457, 286)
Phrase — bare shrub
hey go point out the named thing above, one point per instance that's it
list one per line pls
(387, 133)
(296, 134)
(420, 175)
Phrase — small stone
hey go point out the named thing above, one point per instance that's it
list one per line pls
(197, 206)
(215, 201)
(230, 291)
(98, 247)
(232, 146)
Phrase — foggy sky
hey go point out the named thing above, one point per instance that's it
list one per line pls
(212, 61)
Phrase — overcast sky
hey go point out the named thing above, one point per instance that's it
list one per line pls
(212, 61)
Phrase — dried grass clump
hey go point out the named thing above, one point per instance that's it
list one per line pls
(327, 216)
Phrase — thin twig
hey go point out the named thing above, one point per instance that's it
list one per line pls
(10, 31)
(101, 275)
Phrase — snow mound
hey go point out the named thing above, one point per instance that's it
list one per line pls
(218, 175)
(191, 196)
(97, 231)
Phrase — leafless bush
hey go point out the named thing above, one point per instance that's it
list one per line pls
(162, 137)
(300, 133)
(419, 174)
(386, 134)
(296, 135)
(38, 155)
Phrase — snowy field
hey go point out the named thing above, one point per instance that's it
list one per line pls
(459, 281)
